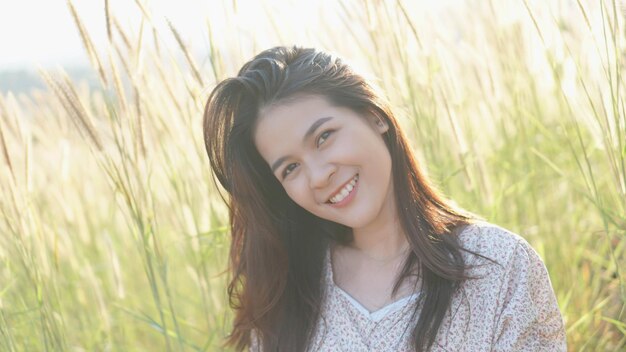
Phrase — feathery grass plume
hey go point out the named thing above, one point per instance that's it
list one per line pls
(217, 66)
(138, 140)
(123, 59)
(107, 15)
(88, 44)
(27, 145)
(5, 150)
(190, 87)
(190, 61)
(117, 82)
(167, 84)
(3, 143)
(157, 45)
(66, 94)
(144, 11)
(146, 15)
(409, 22)
(139, 137)
(15, 122)
(138, 54)
(121, 32)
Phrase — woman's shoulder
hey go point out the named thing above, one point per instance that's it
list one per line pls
(492, 241)
(515, 305)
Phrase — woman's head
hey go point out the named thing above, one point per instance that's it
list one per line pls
(280, 184)
(261, 125)
(268, 108)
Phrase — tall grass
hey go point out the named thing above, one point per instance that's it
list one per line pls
(113, 233)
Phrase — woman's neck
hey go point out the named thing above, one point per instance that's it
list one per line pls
(380, 243)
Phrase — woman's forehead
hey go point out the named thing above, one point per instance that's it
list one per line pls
(294, 117)
(298, 106)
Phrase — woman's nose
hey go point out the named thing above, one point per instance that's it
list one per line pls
(320, 175)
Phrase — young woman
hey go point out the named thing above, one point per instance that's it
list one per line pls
(339, 242)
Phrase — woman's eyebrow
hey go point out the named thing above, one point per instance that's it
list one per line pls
(314, 126)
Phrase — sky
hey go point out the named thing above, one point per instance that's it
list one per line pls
(37, 33)
(42, 32)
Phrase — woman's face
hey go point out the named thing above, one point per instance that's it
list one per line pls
(331, 161)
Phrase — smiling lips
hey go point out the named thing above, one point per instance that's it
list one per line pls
(344, 191)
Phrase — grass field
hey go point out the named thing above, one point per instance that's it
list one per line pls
(112, 235)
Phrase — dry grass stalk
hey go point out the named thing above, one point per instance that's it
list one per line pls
(121, 32)
(5, 150)
(157, 45)
(144, 11)
(410, 23)
(167, 84)
(88, 44)
(15, 120)
(214, 56)
(123, 60)
(140, 133)
(107, 15)
(117, 84)
(188, 57)
(139, 47)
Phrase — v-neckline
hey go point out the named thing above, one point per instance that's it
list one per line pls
(376, 315)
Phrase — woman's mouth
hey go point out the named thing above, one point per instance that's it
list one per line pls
(345, 195)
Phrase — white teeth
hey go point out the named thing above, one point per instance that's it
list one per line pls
(345, 191)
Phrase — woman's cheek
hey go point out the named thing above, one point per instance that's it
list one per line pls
(297, 193)
(342, 150)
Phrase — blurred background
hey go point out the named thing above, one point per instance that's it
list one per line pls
(113, 236)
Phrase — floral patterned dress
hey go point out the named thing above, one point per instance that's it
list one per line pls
(510, 307)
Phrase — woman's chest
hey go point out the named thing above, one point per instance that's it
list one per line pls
(373, 290)
(467, 326)
(371, 283)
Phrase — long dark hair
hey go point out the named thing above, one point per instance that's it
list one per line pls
(277, 247)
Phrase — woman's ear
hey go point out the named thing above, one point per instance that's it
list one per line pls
(379, 123)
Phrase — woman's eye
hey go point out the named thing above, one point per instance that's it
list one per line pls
(288, 169)
(323, 136)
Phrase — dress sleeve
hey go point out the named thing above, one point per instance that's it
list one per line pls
(528, 318)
